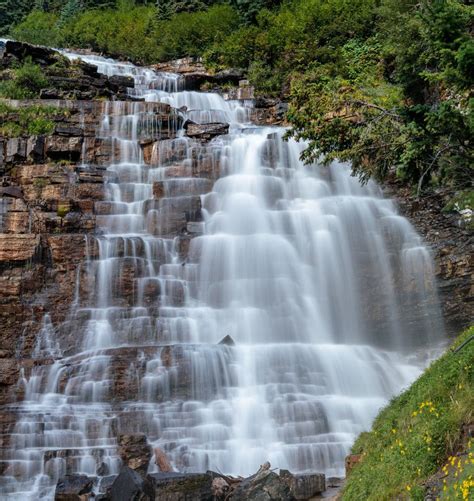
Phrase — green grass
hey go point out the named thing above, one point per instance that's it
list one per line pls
(28, 120)
(26, 82)
(417, 433)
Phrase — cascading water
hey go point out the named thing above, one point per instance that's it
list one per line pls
(325, 290)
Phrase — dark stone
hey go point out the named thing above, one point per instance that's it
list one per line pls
(11, 191)
(40, 55)
(304, 486)
(230, 75)
(182, 486)
(73, 487)
(205, 131)
(227, 340)
(130, 486)
(117, 82)
(68, 130)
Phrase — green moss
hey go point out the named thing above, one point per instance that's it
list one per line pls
(416, 433)
(63, 210)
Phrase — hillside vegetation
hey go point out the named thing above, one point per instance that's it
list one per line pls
(386, 84)
(419, 433)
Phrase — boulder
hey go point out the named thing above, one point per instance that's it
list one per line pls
(135, 452)
(304, 486)
(181, 486)
(130, 486)
(74, 488)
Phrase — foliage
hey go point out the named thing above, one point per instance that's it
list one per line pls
(406, 109)
(29, 120)
(26, 83)
(385, 84)
(11, 13)
(39, 28)
(418, 431)
(69, 11)
(190, 34)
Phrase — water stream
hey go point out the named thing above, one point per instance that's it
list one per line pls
(327, 292)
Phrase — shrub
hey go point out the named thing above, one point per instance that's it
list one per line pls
(31, 120)
(38, 28)
(26, 83)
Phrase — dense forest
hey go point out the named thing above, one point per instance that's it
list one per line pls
(386, 84)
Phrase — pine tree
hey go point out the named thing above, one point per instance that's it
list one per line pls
(12, 12)
(71, 9)
(164, 9)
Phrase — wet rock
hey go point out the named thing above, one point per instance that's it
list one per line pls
(158, 189)
(18, 247)
(304, 486)
(205, 132)
(181, 486)
(220, 487)
(227, 340)
(130, 486)
(135, 452)
(40, 55)
(162, 461)
(120, 83)
(265, 485)
(74, 488)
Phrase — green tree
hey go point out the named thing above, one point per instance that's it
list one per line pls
(12, 12)
(71, 9)
(164, 9)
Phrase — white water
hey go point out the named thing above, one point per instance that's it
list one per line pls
(325, 290)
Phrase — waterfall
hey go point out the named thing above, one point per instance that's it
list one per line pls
(327, 293)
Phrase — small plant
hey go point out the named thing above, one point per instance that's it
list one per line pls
(28, 120)
(26, 83)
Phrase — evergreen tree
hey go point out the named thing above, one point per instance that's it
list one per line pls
(12, 12)
(71, 9)
(164, 9)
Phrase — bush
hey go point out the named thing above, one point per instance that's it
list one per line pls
(38, 28)
(27, 120)
(191, 34)
(26, 83)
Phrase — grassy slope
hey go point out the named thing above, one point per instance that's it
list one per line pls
(418, 433)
